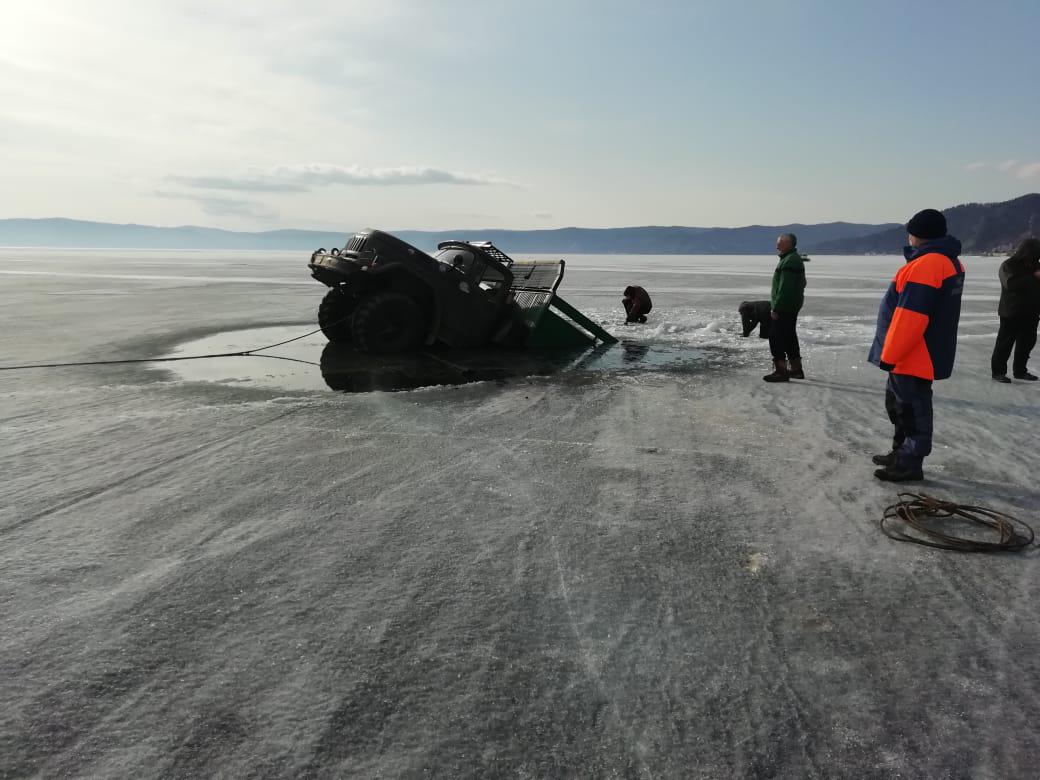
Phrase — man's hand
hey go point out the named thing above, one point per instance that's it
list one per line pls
(1036, 274)
(773, 315)
(885, 366)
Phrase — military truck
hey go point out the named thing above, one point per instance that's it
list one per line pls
(386, 296)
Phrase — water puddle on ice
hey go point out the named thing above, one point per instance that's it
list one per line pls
(313, 363)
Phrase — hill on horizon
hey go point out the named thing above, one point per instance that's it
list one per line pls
(753, 239)
(981, 228)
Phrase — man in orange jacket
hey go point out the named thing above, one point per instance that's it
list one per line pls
(916, 340)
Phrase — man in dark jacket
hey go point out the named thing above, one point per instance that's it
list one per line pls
(637, 304)
(786, 299)
(916, 340)
(1019, 311)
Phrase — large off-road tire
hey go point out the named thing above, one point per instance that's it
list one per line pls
(388, 322)
(334, 315)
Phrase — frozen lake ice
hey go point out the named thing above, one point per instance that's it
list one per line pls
(654, 566)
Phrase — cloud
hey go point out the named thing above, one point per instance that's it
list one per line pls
(244, 184)
(303, 178)
(542, 215)
(1029, 171)
(223, 207)
(1019, 169)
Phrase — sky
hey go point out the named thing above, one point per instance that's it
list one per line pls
(415, 114)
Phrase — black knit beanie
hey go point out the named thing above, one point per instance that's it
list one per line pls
(927, 224)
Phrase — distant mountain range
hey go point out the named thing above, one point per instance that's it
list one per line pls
(982, 227)
(627, 240)
(753, 239)
(59, 232)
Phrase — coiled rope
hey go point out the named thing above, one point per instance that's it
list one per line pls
(917, 518)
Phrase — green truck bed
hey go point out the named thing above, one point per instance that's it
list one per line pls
(552, 322)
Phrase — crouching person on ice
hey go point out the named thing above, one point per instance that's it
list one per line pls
(916, 340)
(637, 304)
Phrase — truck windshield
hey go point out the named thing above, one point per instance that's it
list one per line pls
(460, 259)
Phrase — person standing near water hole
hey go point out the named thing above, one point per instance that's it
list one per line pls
(786, 299)
(916, 340)
(1019, 311)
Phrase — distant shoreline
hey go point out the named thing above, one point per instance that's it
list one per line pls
(984, 228)
(764, 253)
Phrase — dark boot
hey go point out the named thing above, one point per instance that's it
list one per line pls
(897, 473)
(796, 369)
(1001, 378)
(780, 372)
(1026, 376)
(887, 460)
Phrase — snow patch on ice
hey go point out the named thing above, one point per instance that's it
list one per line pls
(717, 328)
(755, 562)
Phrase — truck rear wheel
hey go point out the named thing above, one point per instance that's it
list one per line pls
(387, 322)
(334, 315)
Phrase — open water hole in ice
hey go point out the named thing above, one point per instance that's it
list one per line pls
(313, 363)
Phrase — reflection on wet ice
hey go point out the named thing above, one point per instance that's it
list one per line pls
(344, 369)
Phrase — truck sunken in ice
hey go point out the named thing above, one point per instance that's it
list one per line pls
(387, 296)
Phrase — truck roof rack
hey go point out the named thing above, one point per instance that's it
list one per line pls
(485, 246)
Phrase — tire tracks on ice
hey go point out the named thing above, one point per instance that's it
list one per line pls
(588, 663)
(214, 445)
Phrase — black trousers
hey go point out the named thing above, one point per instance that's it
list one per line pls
(783, 341)
(1019, 332)
(634, 311)
(908, 401)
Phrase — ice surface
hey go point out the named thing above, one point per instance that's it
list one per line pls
(291, 366)
(646, 570)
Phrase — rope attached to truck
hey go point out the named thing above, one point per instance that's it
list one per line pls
(243, 353)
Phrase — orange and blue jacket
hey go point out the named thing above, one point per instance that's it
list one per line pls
(917, 322)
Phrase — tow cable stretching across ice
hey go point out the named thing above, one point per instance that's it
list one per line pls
(244, 353)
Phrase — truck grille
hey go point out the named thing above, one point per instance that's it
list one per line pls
(356, 244)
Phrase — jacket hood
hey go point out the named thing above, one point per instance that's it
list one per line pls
(947, 245)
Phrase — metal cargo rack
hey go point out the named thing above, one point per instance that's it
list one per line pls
(552, 322)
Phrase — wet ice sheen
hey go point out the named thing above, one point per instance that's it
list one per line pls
(312, 363)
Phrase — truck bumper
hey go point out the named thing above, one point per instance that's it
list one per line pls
(331, 270)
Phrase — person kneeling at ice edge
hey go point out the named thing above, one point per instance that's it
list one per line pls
(916, 340)
(755, 314)
(637, 304)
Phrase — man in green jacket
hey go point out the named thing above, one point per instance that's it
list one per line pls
(785, 302)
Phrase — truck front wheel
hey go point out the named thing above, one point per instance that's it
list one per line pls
(387, 322)
(334, 315)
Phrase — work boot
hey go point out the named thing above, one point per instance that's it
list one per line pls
(887, 460)
(1001, 378)
(897, 473)
(796, 369)
(1026, 376)
(780, 372)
